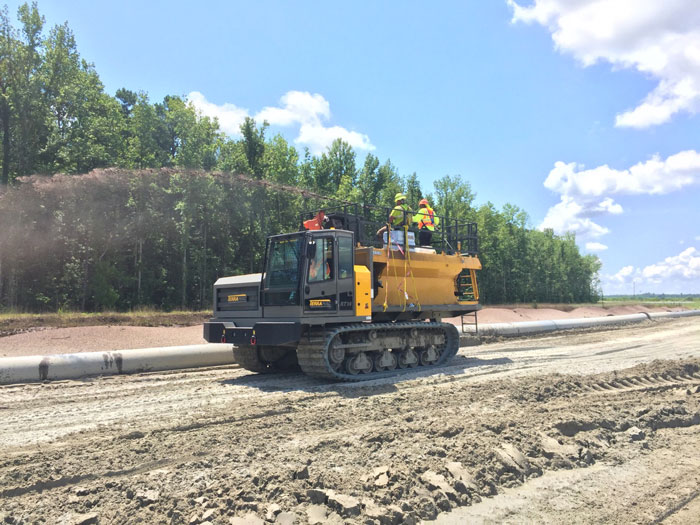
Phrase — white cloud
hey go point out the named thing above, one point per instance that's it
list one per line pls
(595, 247)
(587, 193)
(230, 116)
(685, 266)
(660, 39)
(570, 216)
(318, 138)
(652, 177)
(309, 111)
(297, 108)
(677, 274)
(624, 275)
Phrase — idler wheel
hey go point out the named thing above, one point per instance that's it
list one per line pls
(358, 364)
(335, 354)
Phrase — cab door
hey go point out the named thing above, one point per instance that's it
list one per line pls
(320, 282)
(346, 276)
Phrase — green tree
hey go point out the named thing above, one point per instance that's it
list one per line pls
(454, 198)
(413, 190)
(197, 138)
(150, 141)
(22, 108)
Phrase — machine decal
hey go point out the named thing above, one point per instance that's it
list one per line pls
(238, 298)
(321, 304)
(345, 301)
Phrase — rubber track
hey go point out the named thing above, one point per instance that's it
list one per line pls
(247, 357)
(313, 356)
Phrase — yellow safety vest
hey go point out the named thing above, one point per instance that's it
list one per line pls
(398, 214)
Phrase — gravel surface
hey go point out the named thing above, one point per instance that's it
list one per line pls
(582, 427)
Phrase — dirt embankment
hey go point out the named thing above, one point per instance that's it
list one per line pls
(69, 333)
(20, 323)
(517, 314)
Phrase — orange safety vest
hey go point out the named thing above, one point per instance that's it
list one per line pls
(430, 219)
(314, 269)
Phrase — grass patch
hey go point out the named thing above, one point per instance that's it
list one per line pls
(12, 322)
(651, 303)
(606, 303)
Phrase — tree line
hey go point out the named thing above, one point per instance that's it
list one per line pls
(117, 202)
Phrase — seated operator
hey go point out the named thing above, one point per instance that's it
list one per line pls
(320, 266)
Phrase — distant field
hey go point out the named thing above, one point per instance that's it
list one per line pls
(691, 304)
(606, 303)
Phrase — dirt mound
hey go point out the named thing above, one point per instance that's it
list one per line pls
(118, 335)
(97, 338)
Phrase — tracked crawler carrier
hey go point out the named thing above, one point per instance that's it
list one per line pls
(341, 304)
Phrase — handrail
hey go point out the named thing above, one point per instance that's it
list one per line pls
(450, 236)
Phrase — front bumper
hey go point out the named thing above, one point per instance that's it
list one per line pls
(262, 333)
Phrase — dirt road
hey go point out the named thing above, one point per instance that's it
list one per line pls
(582, 427)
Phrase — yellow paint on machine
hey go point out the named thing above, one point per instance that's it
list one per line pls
(429, 278)
(363, 291)
(238, 298)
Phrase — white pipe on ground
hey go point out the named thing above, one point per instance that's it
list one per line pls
(537, 327)
(684, 313)
(27, 369)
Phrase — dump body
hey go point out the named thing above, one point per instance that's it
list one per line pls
(420, 283)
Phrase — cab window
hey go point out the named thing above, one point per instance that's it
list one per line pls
(321, 264)
(344, 257)
(283, 263)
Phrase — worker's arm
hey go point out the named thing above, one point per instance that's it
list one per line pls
(395, 214)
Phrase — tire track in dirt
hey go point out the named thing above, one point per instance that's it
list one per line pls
(176, 446)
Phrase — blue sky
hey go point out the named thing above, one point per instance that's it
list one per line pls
(582, 113)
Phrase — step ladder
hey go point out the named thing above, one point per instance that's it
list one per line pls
(466, 286)
(468, 291)
(468, 322)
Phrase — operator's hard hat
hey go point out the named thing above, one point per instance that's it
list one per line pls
(399, 196)
(423, 201)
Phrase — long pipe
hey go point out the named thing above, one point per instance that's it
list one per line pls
(29, 369)
(537, 327)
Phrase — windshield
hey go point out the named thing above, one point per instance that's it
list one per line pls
(283, 263)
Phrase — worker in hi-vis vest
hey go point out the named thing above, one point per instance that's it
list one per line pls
(427, 222)
(399, 217)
